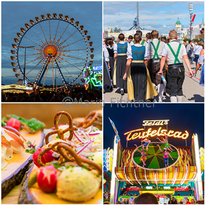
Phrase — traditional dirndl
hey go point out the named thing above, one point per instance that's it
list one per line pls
(139, 79)
(120, 71)
(138, 86)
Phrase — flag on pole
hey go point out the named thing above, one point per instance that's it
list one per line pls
(115, 130)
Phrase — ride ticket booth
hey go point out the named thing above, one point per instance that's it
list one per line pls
(181, 173)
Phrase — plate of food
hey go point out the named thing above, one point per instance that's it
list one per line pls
(17, 147)
(68, 168)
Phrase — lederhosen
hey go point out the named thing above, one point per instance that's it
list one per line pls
(138, 73)
(175, 74)
(111, 58)
(154, 65)
(121, 65)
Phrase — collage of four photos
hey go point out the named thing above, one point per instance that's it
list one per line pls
(102, 102)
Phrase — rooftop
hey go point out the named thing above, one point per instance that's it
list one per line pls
(178, 22)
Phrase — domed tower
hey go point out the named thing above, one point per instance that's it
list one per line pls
(178, 25)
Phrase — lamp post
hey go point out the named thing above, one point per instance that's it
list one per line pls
(138, 27)
(24, 69)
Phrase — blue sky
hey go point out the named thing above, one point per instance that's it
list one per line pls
(161, 15)
(16, 14)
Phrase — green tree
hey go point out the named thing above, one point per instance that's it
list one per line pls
(117, 30)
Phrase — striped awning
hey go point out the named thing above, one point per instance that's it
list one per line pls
(170, 176)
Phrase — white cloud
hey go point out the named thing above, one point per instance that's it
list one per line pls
(153, 15)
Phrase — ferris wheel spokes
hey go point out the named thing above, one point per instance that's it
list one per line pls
(43, 32)
(68, 37)
(83, 49)
(32, 41)
(69, 63)
(63, 33)
(37, 36)
(57, 30)
(29, 54)
(72, 57)
(34, 67)
(49, 31)
(30, 61)
(72, 43)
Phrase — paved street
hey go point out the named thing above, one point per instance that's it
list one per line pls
(193, 92)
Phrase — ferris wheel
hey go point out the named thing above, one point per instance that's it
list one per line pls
(52, 49)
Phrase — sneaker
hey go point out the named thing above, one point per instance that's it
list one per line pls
(122, 91)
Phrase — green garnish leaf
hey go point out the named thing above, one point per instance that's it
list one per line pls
(3, 123)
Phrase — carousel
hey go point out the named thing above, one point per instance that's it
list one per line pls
(153, 165)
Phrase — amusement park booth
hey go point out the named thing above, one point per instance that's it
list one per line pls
(181, 177)
(16, 89)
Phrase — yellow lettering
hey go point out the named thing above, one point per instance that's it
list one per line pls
(177, 134)
(128, 137)
(185, 135)
(157, 123)
(138, 133)
(170, 133)
(144, 134)
(166, 122)
(145, 123)
(164, 132)
(153, 133)
(149, 124)
(130, 132)
(158, 131)
(149, 131)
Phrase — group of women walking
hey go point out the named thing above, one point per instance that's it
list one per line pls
(129, 65)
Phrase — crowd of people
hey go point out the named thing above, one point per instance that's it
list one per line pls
(195, 52)
(144, 68)
(81, 95)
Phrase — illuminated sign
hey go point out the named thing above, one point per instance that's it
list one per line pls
(181, 188)
(133, 188)
(160, 132)
(155, 122)
(149, 187)
(167, 187)
(97, 68)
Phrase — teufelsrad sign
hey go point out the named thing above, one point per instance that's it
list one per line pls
(150, 132)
